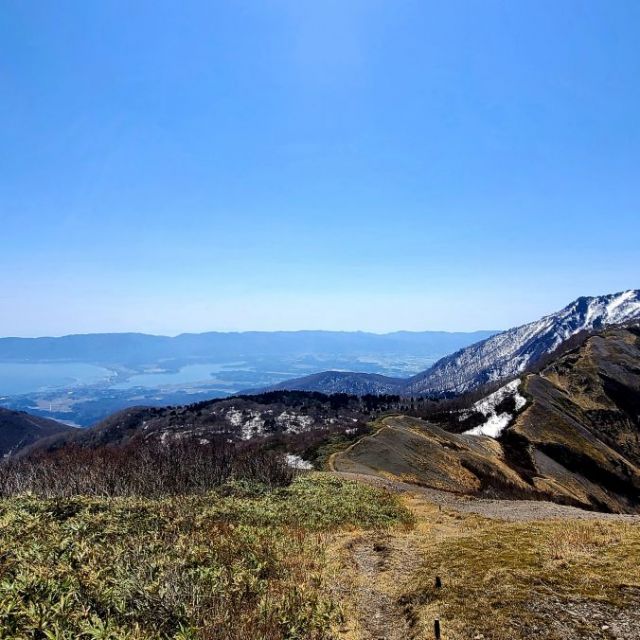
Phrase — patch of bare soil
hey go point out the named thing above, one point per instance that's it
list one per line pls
(587, 620)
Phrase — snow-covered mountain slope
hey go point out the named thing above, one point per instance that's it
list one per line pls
(511, 352)
(503, 355)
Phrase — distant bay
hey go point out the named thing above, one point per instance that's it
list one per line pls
(23, 377)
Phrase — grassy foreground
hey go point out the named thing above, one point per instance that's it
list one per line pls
(547, 580)
(240, 563)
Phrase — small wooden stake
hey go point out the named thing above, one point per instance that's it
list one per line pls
(436, 629)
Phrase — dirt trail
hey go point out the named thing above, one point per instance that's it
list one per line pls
(380, 570)
(379, 562)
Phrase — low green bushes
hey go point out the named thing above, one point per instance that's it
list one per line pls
(246, 561)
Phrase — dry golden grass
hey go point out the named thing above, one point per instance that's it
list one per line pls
(546, 580)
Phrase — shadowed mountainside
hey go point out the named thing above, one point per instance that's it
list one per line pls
(19, 430)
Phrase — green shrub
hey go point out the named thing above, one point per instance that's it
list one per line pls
(245, 562)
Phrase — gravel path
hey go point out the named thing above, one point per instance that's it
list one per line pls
(510, 510)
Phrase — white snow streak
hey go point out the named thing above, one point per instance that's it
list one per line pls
(297, 462)
(496, 423)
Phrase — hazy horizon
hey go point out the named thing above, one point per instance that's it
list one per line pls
(175, 335)
(308, 329)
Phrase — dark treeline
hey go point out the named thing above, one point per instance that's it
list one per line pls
(368, 403)
(141, 468)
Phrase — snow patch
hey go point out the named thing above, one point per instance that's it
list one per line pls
(293, 422)
(234, 416)
(496, 423)
(296, 462)
(253, 426)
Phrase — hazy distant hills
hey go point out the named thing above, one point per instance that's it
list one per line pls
(19, 430)
(135, 348)
(499, 356)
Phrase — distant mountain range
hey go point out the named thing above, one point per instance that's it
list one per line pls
(499, 356)
(135, 348)
(568, 433)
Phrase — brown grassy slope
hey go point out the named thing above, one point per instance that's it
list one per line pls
(415, 451)
(548, 580)
(545, 580)
(582, 424)
(576, 441)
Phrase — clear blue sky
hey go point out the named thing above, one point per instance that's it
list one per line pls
(189, 166)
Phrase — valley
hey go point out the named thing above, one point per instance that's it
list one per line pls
(82, 379)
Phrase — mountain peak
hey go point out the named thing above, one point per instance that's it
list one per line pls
(503, 355)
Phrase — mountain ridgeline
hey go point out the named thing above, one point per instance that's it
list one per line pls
(570, 434)
(136, 348)
(500, 356)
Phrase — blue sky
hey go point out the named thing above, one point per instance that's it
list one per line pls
(376, 165)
